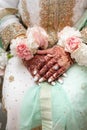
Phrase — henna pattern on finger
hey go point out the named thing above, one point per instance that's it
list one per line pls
(47, 67)
(56, 74)
(44, 67)
(51, 71)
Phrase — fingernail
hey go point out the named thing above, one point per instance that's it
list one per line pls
(50, 55)
(39, 84)
(53, 83)
(65, 75)
(35, 72)
(36, 78)
(60, 81)
(49, 80)
(41, 79)
(56, 67)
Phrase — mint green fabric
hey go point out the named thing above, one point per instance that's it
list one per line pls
(30, 109)
(69, 103)
(82, 22)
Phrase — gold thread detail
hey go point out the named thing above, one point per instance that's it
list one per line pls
(7, 11)
(25, 14)
(10, 32)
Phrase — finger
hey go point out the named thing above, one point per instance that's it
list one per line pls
(65, 75)
(53, 83)
(60, 80)
(36, 77)
(49, 73)
(43, 52)
(36, 63)
(44, 60)
(57, 74)
(46, 67)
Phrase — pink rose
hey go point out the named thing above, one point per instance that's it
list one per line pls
(23, 51)
(72, 43)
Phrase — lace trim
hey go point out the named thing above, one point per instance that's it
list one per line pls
(80, 55)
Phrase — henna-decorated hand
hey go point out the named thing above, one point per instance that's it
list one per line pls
(49, 65)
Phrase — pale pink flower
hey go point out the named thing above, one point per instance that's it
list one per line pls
(37, 37)
(23, 51)
(72, 43)
(41, 37)
(66, 33)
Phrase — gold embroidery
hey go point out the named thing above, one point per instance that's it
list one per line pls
(56, 14)
(10, 32)
(7, 11)
(52, 38)
(65, 13)
(44, 5)
(25, 14)
(11, 78)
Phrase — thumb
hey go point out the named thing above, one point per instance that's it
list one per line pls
(43, 52)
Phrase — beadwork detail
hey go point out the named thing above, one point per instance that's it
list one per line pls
(10, 32)
(56, 14)
(25, 14)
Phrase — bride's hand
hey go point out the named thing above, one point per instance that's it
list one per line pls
(50, 64)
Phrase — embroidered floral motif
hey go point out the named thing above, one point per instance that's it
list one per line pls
(11, 78)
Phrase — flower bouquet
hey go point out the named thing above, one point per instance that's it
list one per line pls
(72, 41)
(26, 47)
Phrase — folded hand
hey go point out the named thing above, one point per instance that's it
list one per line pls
(50, 64)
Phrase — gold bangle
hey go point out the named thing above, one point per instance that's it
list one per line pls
(21, 36)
